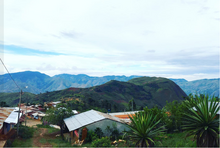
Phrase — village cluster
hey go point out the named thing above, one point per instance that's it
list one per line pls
(75, 124)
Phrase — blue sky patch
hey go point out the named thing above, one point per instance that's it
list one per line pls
(27, 51)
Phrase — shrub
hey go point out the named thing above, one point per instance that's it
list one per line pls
(174, 121)
(115, 134)
(103, 142)
(26, 132)
(98, 132)
(91, 136)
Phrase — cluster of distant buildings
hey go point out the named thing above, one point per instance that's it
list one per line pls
(9, 116)
(74, 124)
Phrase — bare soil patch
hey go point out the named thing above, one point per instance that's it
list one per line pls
(32, 122)
(38, 136)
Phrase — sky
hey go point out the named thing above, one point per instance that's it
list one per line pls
(163, 38)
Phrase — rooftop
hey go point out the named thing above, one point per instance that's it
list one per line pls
(86, 118)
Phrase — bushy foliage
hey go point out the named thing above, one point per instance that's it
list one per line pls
(115, 134)
(26, 132)
(91, 136)
(108, 130)
(98, 132)
(143, 129)
(103, 142)
(202, 120)
(57, 115)
(174, 119)
(159, 113)
(3, 104)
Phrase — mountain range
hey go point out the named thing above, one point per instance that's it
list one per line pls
(39, 83)
(146, 91)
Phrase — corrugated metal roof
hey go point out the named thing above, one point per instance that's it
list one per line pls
(4, 113)
(35, 114)
(124, 113)
(13, 118)
(41, 115)
(57, 102)
(86, 118)
(75, 111)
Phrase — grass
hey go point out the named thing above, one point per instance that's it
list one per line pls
(22, 143)
(49, 128)
(163, 140)
(43, 141)
(174, 140)
(52, 130)
(54, 141)
(58, 142)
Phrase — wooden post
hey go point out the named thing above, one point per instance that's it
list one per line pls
(25, 114)
(19, 113)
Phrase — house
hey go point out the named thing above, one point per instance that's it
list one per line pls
(92, 119)
(8, 119)
(51, 104)
(33, 111)
(4, 113)
(37, 115)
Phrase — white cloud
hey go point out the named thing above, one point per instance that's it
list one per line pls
(114, 37)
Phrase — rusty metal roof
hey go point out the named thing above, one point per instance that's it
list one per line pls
(4, 113)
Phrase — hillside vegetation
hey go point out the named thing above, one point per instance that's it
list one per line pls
(115, 95)
(12, 99)
(40, 83)
(204, 86)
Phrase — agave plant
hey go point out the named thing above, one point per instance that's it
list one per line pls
(143, 129)
(202, 121)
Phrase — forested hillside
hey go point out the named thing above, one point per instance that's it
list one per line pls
(39, 83)
(115, 95)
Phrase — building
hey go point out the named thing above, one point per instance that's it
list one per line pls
(52, 104)
(91, 120)
(124, 116)
(8, 119)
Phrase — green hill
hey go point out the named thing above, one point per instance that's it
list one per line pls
(161, 89)
(12, 99)
(40, 83)
(146, 91)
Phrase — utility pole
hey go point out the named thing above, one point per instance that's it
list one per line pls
(19, 113)
(26, 109)
(26, 114)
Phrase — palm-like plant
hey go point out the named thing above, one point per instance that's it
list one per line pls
(143, 129)
(202, 121)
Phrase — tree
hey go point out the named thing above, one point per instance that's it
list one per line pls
(159, 113)
(3, 104)
(174, 120)
(98, 132)
(143, 129)
(202, 120)
(57, 115)
(131, 105)
(108, 130)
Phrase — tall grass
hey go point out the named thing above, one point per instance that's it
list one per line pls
(174, 140)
